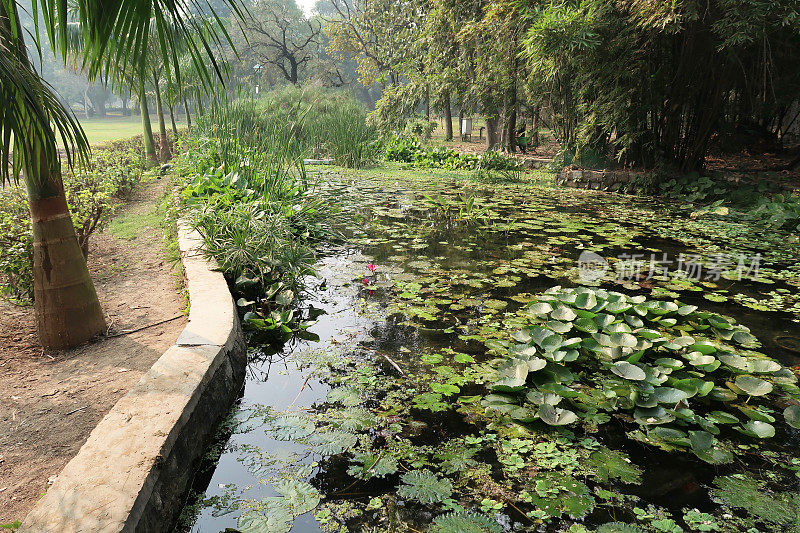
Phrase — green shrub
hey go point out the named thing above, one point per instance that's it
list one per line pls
(403, 149)
(420, 127)
(93, 194)
(760, 201)
(409, 150)
(91, 203)
(258, 212)
(16, 241)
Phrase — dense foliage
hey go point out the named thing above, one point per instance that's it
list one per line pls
(763, 201)
(641, 83)
(93, 194)
(652, 82)
(410, 150)
(255, 206)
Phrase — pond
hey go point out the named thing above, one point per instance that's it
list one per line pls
(412, 411)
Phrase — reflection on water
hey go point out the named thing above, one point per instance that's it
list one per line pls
(526, 243)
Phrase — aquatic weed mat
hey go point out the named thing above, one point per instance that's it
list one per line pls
(473, 374)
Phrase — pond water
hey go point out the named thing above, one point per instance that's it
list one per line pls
(381, 424)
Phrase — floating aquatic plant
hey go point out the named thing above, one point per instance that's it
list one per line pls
(685, 377)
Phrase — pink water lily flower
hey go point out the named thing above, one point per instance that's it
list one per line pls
(372, 267)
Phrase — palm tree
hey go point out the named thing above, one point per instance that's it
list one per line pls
(115, 35)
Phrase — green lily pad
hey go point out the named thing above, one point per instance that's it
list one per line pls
(628, 371)
(745, 338)
(670, 435)
(735, 362)
(753, 386)
(756, 413)
(704, 347)
(763, 366)
(754, 428)
(556, 417)
(653, 416)
(669, 395)
(563, 313)
(540, 308)
(792, 416)
(586, 325)
(721, 417)
(513, 374)
(624, 339)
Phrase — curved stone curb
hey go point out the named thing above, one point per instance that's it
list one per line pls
(134, 471)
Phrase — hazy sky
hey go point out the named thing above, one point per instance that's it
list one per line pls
(306, 5)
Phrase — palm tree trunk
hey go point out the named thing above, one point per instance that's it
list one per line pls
(147, 128)
(67, 310)
(165, 150)
(66, 307)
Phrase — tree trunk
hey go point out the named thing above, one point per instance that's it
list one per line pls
(147, 128)
(67, 310)
(492, 131)
(86, 103)
(535, 126)
(510, 115)
(66, 307)
(97, 96)
(164, 149)
(171, 106)
(427, 103)
(188, 116)
(448, 118)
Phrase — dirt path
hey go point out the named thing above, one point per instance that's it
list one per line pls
(49, 403)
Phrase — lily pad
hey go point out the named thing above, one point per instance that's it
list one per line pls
(540, 308)
(754, 428)
(556, 417)
(753, 386)
(792, 416)
(628, 371)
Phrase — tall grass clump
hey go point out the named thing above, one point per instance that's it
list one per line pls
(259, 213)
(329, 124)
(347, 137)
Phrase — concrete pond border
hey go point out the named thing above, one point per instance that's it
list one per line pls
(136, 468)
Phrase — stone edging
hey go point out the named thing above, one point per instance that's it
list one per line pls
(134, 471)
(605, 180)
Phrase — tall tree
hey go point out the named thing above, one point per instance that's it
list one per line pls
(379, 34)
(115, 33)
(279, 34)
(654, 83)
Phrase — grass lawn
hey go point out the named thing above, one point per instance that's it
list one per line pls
(115, 127)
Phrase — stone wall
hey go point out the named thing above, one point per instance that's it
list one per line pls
(602, 180)
(135, 470)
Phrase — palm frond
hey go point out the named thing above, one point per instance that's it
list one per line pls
(30, 111)
(117, 35)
